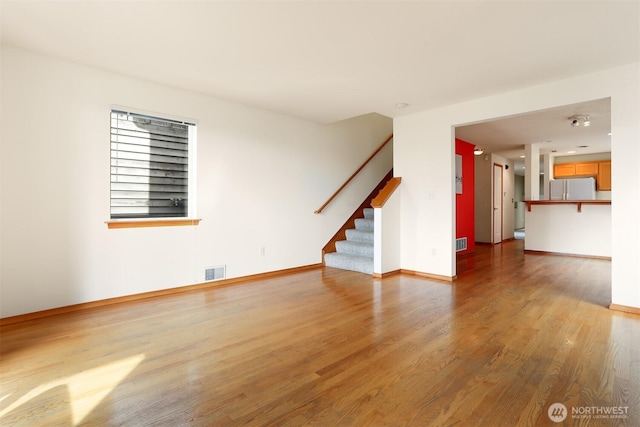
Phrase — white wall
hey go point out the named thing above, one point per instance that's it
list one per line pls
(424, 157)
(260, 176)
(581, 158)
(386, 256)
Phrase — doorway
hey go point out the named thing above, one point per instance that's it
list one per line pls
(501, 141)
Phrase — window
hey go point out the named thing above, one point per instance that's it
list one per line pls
(150, 166)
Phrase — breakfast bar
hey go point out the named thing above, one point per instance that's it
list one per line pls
(571, 227)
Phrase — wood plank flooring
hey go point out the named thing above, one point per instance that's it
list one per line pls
(514, 334)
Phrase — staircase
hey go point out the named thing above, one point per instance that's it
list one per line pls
(355, 253)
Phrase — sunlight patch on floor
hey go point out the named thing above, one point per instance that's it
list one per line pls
(86, 389)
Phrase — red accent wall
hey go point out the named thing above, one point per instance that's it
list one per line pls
(465, 214)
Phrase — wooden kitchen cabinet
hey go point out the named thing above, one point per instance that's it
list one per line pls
(567, 170)
(601, 170)
(587, 168)
(604, 176)
(564, 170)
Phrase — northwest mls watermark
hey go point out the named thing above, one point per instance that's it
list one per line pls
(558, 412)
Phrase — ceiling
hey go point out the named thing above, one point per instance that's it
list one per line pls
(551, 129)
(331, 60)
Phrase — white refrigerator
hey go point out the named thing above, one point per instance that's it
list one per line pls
(572, 189)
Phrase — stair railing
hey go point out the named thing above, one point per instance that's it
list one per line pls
(321, 208)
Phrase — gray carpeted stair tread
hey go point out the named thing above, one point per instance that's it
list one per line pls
(349, 262)
(364, 224)
(360, 235)
(355, 248)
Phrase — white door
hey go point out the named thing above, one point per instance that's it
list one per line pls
(497, 203)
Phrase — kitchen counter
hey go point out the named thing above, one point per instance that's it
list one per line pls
(572, 227)
(579, 203)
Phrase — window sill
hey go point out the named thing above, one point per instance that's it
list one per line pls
(162, 222)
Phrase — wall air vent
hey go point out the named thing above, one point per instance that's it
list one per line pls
(461, 244)
(215, 273)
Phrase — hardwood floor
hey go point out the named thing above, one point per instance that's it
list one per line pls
(511, 336)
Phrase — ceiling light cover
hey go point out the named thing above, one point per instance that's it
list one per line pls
(580, 120)
(477, 151)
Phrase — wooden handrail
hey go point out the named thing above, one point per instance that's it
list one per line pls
(353, 175)
(386, 192)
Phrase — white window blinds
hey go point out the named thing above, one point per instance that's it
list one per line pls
(149, 166)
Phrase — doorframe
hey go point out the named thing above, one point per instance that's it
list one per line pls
(493, 203)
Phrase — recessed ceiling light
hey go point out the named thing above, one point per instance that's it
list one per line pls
(609, 134)
(522, 157)
(571, 152)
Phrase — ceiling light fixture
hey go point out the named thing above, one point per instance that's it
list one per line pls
(580, 120)
(477, 151)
